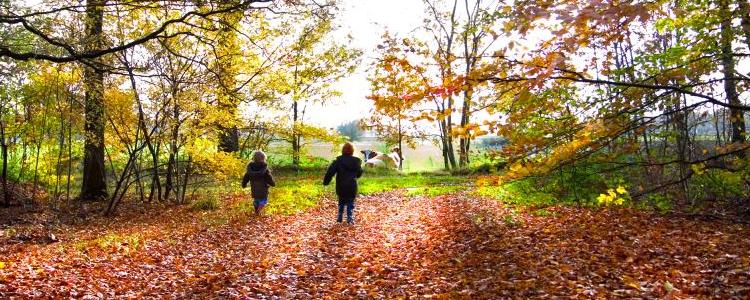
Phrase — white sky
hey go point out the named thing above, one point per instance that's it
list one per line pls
(365, 20)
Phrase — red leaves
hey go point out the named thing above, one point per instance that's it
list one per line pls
(447, 247)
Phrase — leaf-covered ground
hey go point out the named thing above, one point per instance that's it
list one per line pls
(449, 246)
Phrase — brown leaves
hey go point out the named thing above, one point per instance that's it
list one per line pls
(447, 247)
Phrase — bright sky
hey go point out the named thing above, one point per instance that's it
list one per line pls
(366, 21)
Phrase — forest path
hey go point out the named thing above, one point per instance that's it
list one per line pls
(450, 246)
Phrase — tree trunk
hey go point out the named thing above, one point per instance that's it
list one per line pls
(169, 180)
(188, 172)
(449, 136)
(155, 180)
(400, 146)
(4, 172)
(463, 141)
(229, 139)
(451, 152)
(737, 118)
(295, 137)
(226, 67)
(94, 185)
(443, 144)
(58, 166)
(171, 163)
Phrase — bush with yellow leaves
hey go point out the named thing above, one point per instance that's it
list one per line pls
(617, 196)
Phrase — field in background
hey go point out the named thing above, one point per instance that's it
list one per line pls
(425, 157)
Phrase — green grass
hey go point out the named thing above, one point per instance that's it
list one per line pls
(298, 191)
(208, 202)
(372, 184)
(542, 212)
(517, 193)
(294, 196)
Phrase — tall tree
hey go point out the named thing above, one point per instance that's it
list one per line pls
(315, 62)
(736, 114)
(477, 38)
(227, 97)
(94, 185)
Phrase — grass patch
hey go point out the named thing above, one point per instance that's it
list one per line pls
(517, 193)
(294, 192)
(657, 202)
(543, 212)
(294, 197)
(513, 219)
(209, 202)
(376, 184)
(213, 220)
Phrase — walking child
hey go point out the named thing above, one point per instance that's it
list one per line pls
(260, 179)
(347, 168)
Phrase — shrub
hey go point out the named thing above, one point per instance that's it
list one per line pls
(208, 202)
(519, 192)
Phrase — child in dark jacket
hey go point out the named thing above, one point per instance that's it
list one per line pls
(347, 169)
(260, 179)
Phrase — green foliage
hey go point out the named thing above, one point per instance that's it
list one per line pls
(283, 162)
(719, 185)
(487, 163)
(520, 192)
(294, 196)
(660, 202)
(375, 184)
(580, 183)
(543, 212)
(208, 202)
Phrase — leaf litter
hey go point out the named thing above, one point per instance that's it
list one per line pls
(454, 246)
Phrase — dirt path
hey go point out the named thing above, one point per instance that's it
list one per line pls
(452, 246)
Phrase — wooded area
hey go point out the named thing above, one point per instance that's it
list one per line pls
(126, 126)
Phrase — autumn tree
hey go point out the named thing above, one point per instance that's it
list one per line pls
(94, 185)
(463, 36)
(451, 65)
(314, 63)
(399, 92)
(163, 52)
(226, 63)
(627, 79)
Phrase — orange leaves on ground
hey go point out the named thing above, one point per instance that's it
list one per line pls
(447, 247)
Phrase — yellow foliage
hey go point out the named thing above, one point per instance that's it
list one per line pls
(220, 165)
(699, 168)
(616, 196)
